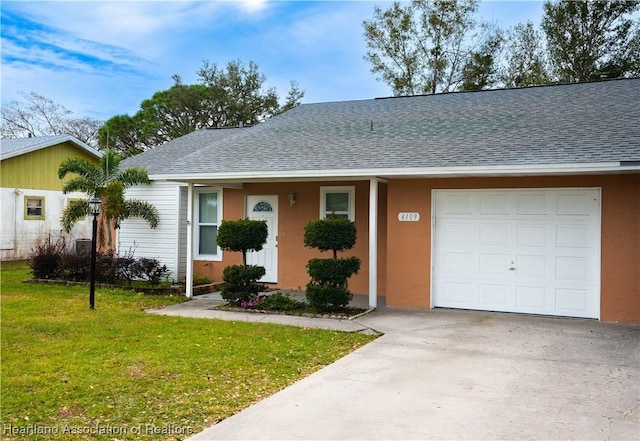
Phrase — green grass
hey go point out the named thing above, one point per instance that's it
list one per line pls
(118, 373)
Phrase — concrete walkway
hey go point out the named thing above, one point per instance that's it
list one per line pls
(204, 307)
(448, 374)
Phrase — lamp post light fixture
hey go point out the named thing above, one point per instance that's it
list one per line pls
(94, 209)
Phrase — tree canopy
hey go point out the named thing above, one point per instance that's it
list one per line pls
(424, 46)
(590, 40)
(430, 46)
(224, 97)
(38, 115)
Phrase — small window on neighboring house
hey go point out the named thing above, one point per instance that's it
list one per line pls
(208, 215)
(338, 201)
(34, 207)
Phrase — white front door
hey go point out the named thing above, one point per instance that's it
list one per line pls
(529, 251)
(265, 208)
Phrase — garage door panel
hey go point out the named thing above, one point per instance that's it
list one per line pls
(533, 204)
(494, 234)
(532, 266)
(460, 294)
(457, 233)
(574, 204)
(492, 204)
(572, 268)
(531, 298)
(533, 251)
(459, 264)
(494, 297)
(532, 235)
(492, 265)
(572, 236)
(571, 301)
(457, 204)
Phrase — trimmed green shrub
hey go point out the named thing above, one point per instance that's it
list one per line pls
(327, 297)
(333, 233)
(333, 272)
(241, 283)
(242, 235)
(328, 286)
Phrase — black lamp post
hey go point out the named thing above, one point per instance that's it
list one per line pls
(94, 209)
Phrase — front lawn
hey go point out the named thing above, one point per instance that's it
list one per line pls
(117, 373)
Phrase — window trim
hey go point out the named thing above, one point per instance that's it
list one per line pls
(196, 224)
(41, 216)
(349, 189)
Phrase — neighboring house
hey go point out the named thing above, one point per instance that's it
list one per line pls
(521, 200)
(31, 193)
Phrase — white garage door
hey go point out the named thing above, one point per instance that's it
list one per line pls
(528, 251)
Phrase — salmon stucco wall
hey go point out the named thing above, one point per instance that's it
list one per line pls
(292, 254)
(409, 243)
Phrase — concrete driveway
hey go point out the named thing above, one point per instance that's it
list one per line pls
(462, 375)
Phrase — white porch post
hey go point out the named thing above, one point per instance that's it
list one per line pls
(373, 243)
(189, 280)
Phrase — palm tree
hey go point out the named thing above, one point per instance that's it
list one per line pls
(107, 183)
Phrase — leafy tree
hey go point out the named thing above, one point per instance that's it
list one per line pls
(224, 97)
(38, 115)
(589, 40)
(108, 183)
(481, 70)
(525, 57)
(179, 110)
(424, 47)
(123, 133)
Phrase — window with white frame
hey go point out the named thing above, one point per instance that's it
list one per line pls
(338, 201)
(34, 207)
(208, 215)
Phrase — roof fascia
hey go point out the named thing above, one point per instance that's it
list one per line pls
(410, 172)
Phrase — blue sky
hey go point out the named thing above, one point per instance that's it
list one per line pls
(102, 59)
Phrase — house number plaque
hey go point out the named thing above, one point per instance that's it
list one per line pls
(408, 217)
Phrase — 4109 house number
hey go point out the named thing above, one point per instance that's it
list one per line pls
(408, 217)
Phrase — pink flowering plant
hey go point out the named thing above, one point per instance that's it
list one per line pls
(253, 302)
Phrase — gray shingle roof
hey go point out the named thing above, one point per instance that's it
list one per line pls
(11, 147)
(563, 124)
(160, 159)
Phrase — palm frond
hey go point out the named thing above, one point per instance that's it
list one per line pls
(81, 183)
(109, 164)
(133, 176)
(78, 166)
(141, 209)
(74, 213)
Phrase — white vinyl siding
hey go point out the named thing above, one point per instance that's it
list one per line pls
(162, 242)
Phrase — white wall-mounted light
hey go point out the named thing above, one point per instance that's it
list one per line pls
(292, 199)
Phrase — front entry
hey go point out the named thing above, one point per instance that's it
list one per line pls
(265, 208)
